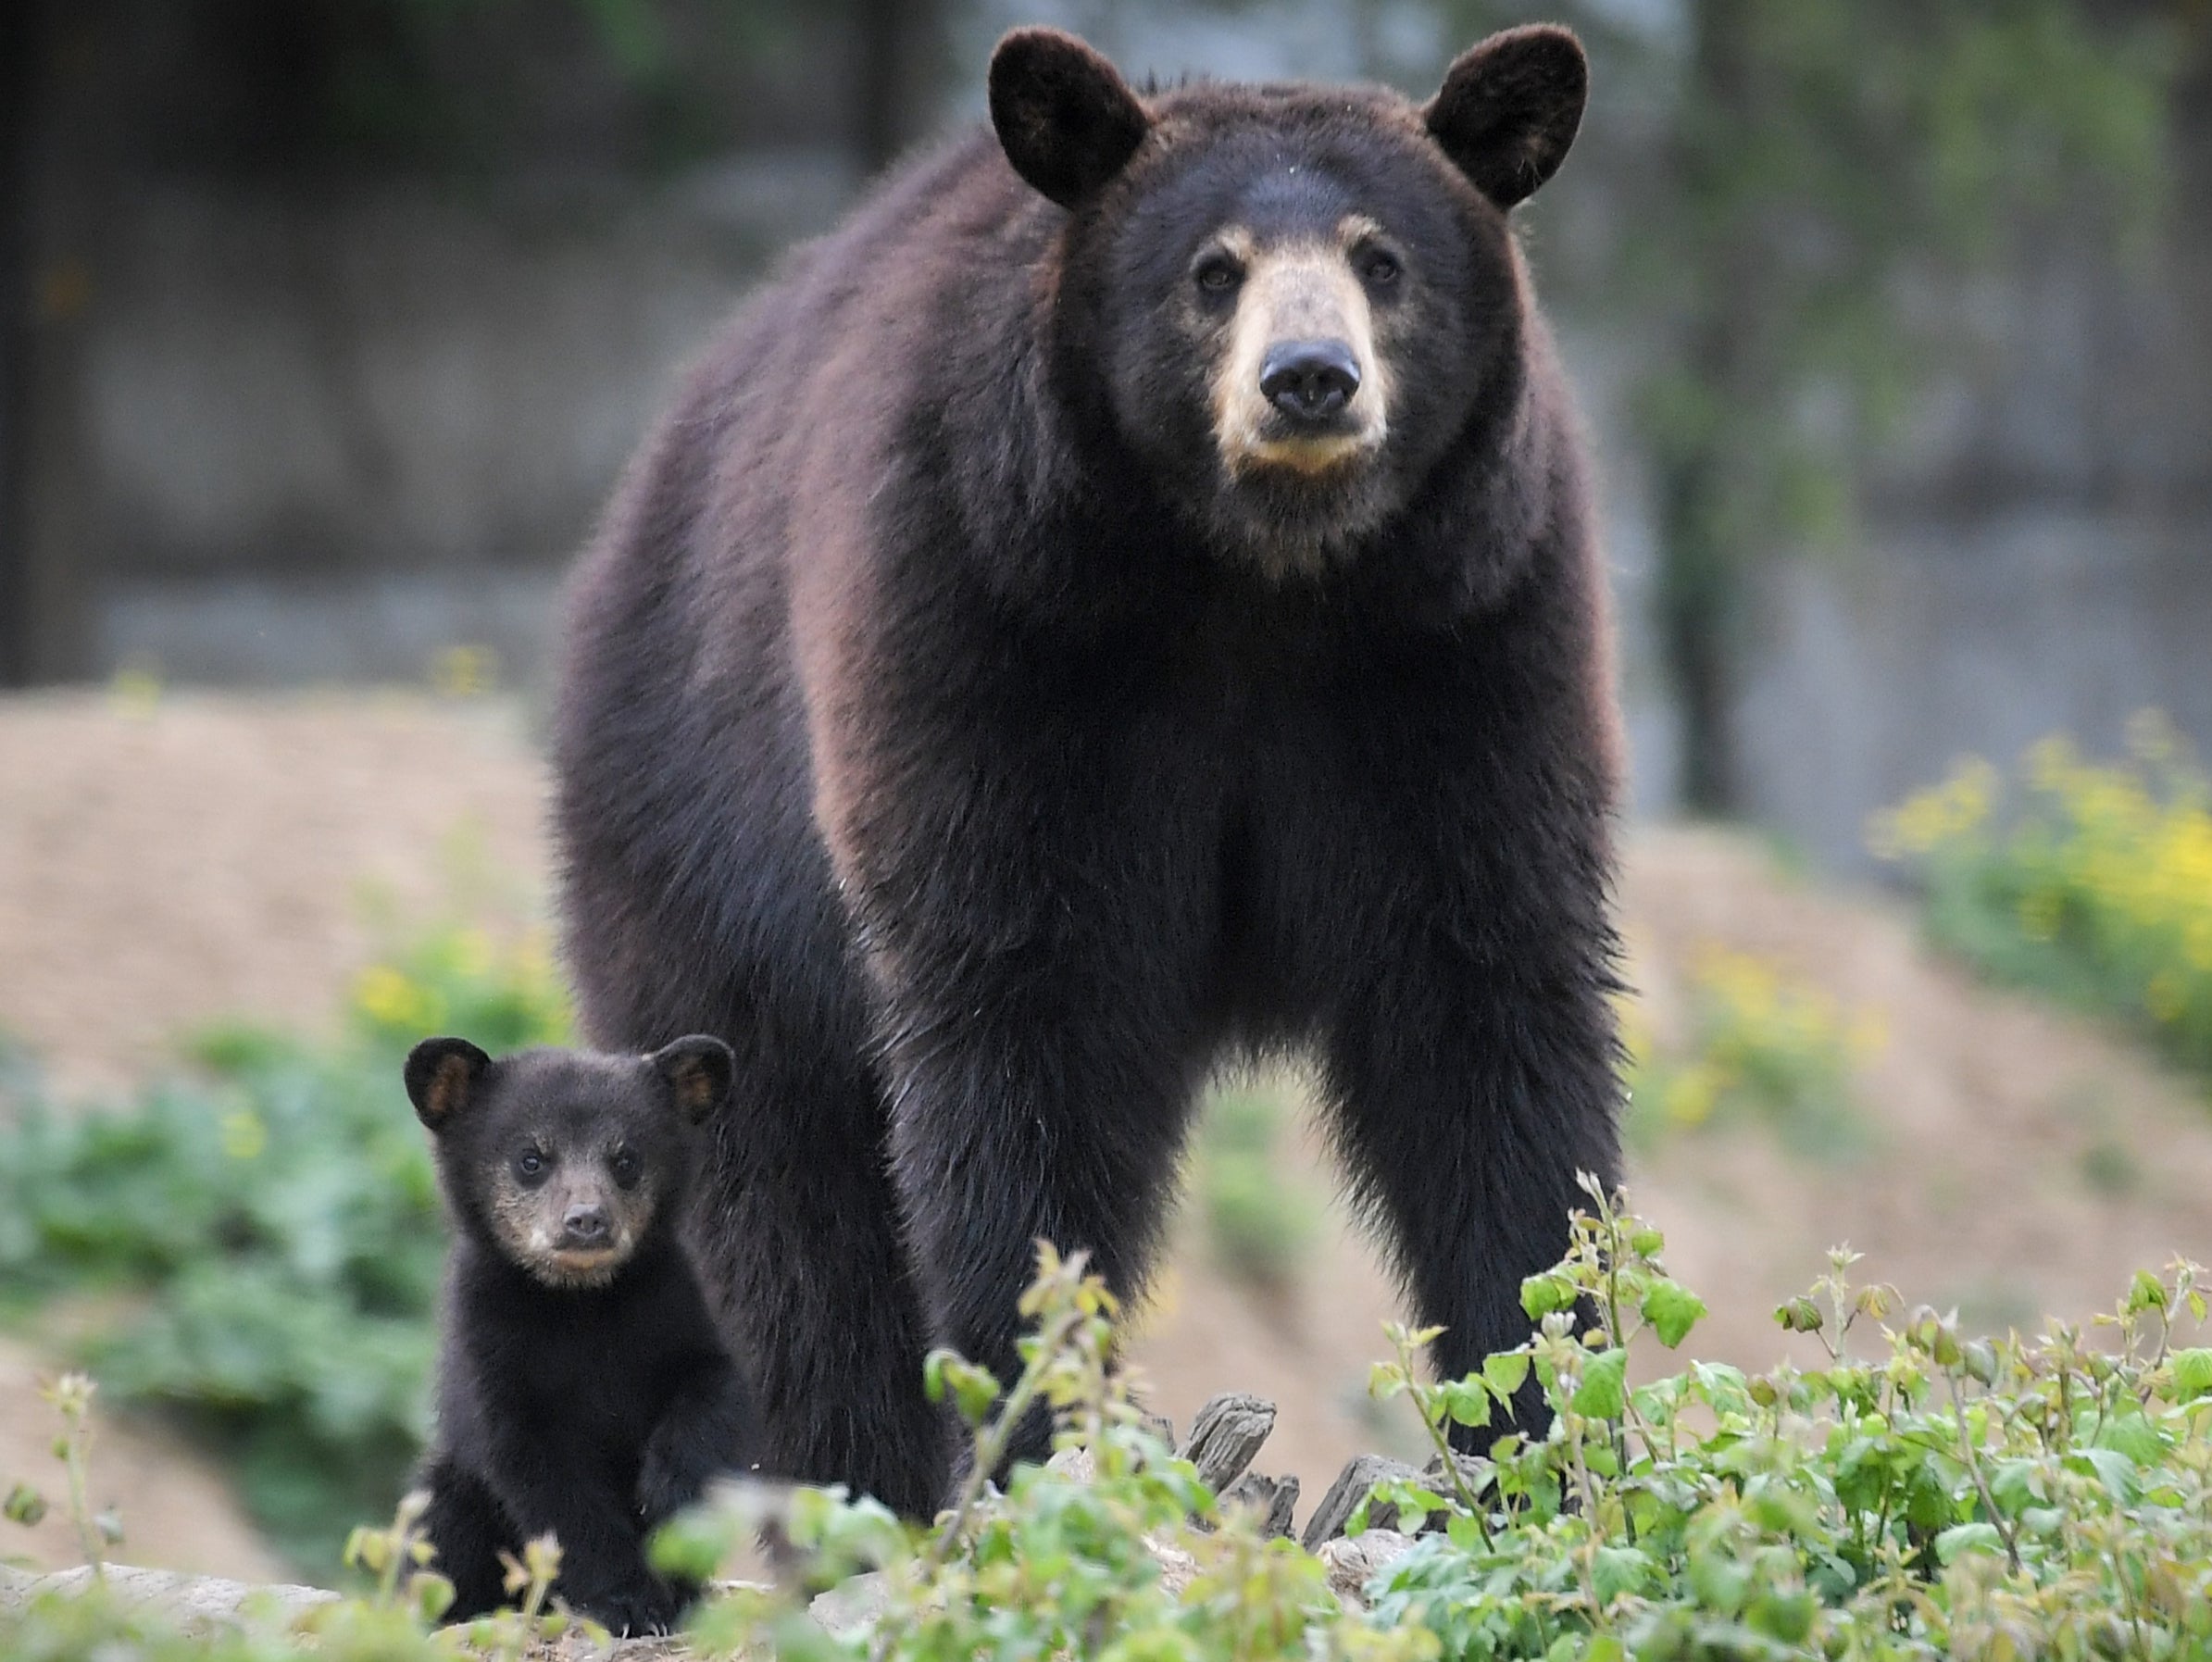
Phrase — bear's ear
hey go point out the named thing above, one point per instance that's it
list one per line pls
(1065, 117)
(442, 1076)
(697, 1072)
(1509, 107)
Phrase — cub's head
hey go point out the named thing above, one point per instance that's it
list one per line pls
(566, 1161)
(1291, 301)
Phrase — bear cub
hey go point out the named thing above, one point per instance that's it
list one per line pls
(583, 1386)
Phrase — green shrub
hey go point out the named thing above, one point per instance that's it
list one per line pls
(1761, 1048)
(2093, 884)
(265, 1234)
(1925, 1494)
(1948, 1496)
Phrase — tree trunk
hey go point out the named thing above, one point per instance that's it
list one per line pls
(59, 141)
(1702, 561)
(901, 44)
(1698, 601)
(17, 78)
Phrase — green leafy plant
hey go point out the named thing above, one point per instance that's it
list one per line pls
(1925, 1502)
(1113, 1549)
(1762, 1047)
(2089, 882)
(1260, 1223)
(1920, 1491)
(254, 1247)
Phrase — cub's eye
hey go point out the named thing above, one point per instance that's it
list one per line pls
(1218, 274)
(1378, 267)
(623, 1166)
(530, 1165)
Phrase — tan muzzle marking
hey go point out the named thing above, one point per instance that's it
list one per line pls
(1298, 291)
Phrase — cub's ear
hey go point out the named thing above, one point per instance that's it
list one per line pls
(1509, 107)
(697, 1072)
(1065, 117)
(442, 1076)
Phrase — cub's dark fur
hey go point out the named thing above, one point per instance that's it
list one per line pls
(583, 1388)
(1126, 598)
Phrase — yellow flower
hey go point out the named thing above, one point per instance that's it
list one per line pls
(462, 671)
(390, 999)
(243, 1134)
(1690, 1095)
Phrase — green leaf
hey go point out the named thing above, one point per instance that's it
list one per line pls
(1603, 1394)
(1504, 1373)
(2109, 1466)
(1719, 1579)
(1967, 1538)
(1466, 1401)
(973, 1390)
(24, 1504)
(2192, 1374)
(2134, 1436)
(1784, 1616)
(1616, 1570)
(1800, 1315)
(1672, 1310)
(1541, 1294)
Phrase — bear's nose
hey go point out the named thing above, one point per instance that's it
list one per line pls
(585, 1225)
(1310, 381)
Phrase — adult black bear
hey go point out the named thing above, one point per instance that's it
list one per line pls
(1125, 597)
(583, 1388)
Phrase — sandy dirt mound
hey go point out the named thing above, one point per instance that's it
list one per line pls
(204, 856)
(175, 1512)
(162, 864)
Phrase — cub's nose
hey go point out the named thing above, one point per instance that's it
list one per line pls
(585, 1225)
(1310, 381)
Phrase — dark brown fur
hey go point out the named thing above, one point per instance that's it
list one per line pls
(930, 732)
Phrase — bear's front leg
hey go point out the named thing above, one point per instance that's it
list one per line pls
(1032, 1101)
(703, 1435)
(545, 1488)
(1470, 1092)
(467, 1530)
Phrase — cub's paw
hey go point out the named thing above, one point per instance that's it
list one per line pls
(664, 1488)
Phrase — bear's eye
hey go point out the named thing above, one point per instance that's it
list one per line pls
(1217, 274)
(530, 1165)
(623, 1166)
(1380, 268)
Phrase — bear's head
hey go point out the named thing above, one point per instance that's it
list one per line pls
(1291, 303)
(565, 1162)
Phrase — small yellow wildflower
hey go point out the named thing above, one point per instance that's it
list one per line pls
(387, 997)
(244, 1135)
(465, 670)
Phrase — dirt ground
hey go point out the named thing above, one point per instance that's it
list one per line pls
(165, 862)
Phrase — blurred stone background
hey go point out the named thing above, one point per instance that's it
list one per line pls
(335, 322)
